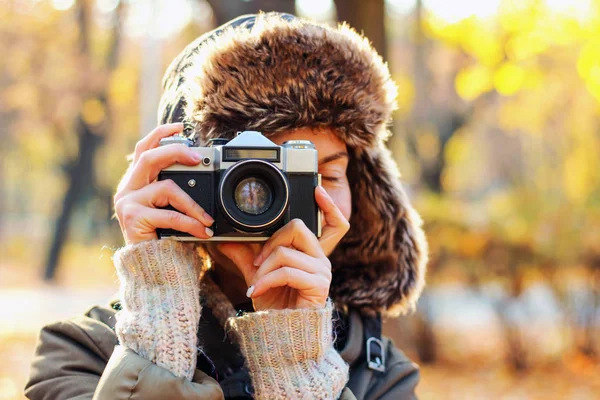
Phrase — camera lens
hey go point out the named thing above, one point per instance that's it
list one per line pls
(253, 196)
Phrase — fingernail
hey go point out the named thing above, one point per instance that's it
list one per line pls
(196, 157)
(209, 232)
(257, 260)
(208, 217)
(250, 291)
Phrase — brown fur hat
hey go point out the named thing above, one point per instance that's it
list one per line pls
(274, 72)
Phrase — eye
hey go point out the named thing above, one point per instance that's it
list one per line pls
(330, 178)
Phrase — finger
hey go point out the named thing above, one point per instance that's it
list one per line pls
(152, 140)
(336, 225)
(293, 234)
(310, 285)
(169, 219)
(167, 192)
(139, 223)
(153, 161)
(242, 256)
(284, 256)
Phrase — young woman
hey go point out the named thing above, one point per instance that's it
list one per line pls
(293, 317)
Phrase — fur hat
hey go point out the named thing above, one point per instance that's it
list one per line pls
(275, 72)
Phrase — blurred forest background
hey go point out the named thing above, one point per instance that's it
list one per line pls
(497, 137)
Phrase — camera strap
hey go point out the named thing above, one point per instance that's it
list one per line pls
(375, 356)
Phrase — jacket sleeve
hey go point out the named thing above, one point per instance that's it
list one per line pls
(156, 328)
(160, 303)
(130, 376)
(67, 362)
(77, 359)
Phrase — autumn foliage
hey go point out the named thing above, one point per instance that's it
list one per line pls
(497, 137)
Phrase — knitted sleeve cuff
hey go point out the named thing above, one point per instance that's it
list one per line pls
(159, 294)
(157, 262)
(290, 353)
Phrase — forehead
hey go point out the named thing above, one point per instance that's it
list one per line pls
(325, 140)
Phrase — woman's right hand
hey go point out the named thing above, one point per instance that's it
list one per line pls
(139, 193)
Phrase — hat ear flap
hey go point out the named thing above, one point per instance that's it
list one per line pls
(380, 264)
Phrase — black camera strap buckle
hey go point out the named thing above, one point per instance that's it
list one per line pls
(376, 358)
(375, 348)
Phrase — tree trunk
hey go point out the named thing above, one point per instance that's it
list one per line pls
(446, 120)
(81, 174)
(367, 17)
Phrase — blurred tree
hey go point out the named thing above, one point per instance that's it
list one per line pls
(432, 123)
(518, 96)
(91, 127)
(366, 17)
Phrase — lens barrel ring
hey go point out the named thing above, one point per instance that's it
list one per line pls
(226, 194)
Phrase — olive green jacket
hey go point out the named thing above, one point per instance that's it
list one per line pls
(81, 359)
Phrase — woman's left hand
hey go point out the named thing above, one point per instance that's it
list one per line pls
(291, 270)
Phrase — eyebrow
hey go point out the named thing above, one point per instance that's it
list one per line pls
(333, 157)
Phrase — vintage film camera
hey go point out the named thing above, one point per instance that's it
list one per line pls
(249, 185)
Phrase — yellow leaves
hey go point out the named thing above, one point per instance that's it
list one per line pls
(523, 45)
(514, 115)
(428, 143)
(93, 111)
(534, 78)
(505, 208)
(516, 229)
(123, 86)
(589, 58)
(38, 149)
(22, 95)
(436, 27)
(499, 204)
(473, 81)
(461, 157)
(509, 78)
(406, 94)
(588, 66)
(472, 244)
(580, 172)
(483, 44)
(457, 149)
(593, 82)
(478, 38)
(581, 165)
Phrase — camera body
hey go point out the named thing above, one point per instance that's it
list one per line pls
(249, 185)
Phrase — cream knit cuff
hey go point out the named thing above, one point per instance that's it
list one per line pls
(290, 353)
(160, 303)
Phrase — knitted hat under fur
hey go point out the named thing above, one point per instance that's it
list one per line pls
(275, 72)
